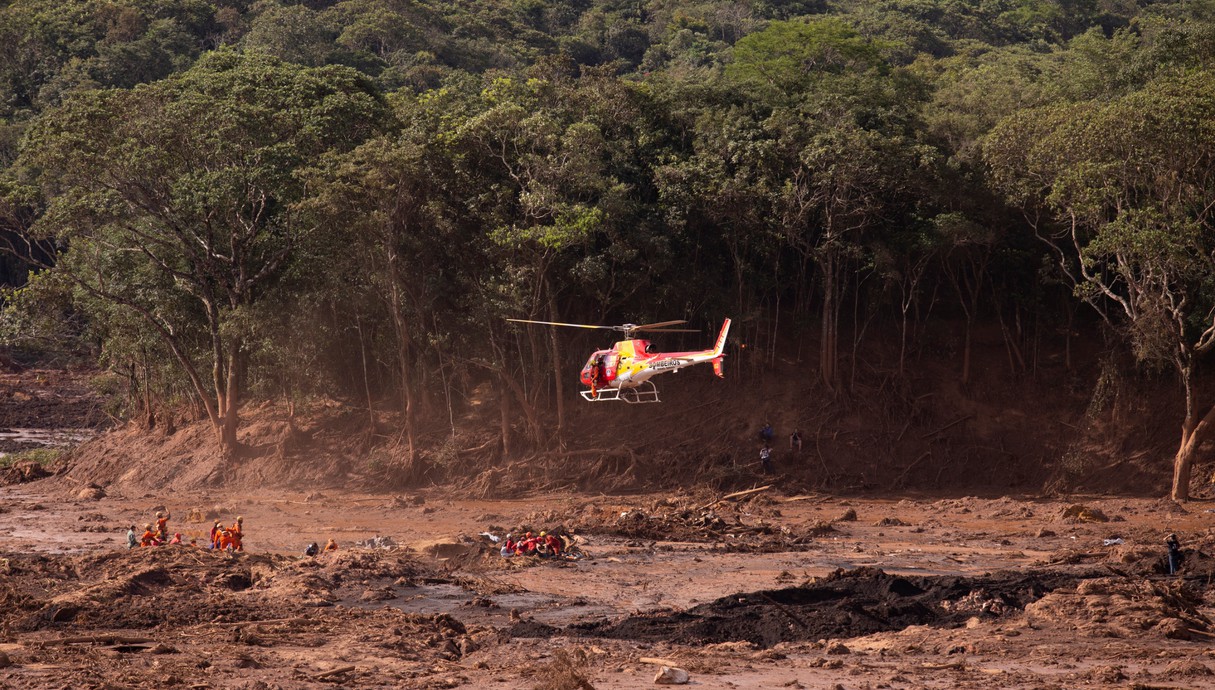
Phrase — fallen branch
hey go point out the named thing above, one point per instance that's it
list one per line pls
(333, 672)
(785, 610)
(654, 660)
(906, 470)
(97, 639)
(297, 619)
(957, 665)
(950, 425)
(736, 494)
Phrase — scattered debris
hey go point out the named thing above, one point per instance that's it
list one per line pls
(669, 675)
(378, 542)
(1082, 513)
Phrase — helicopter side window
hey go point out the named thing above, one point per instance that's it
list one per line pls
(609, 367)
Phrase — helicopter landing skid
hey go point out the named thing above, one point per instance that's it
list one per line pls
(645, 393)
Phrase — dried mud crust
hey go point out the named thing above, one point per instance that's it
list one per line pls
(232, 621)
(842, 605)
(750, 526)
(183, 586)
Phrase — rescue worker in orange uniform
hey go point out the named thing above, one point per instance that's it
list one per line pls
(162, 526)
(149, 537)
(331, 545)
(215, 530)
(553, 544)
(235, 534)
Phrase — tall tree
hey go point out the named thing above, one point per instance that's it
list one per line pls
(181, 193)
(1126, 187)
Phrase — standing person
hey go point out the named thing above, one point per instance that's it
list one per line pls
(215, 530)
(765, 458)
(766, 434)
(795, 442)
(1174, 547)
(132, 538)
(237, 532)
(162, 526)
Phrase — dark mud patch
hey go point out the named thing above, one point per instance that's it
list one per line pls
(844, 604)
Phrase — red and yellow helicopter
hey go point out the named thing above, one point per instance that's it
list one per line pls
(624, 372)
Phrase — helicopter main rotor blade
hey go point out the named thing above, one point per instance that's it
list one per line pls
(555, 323)
(660, 324)
(672, 330)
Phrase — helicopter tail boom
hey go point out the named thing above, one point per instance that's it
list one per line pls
(720, 345)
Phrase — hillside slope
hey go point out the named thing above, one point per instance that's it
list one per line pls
(1051, 430)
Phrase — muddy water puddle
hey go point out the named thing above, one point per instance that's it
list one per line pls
(14, 439)
(470, 607)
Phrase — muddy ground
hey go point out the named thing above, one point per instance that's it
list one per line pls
(770, 590)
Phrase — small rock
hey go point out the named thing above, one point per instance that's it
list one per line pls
(1082, 513)
(1044, 533)
(848, 516)
(671, 676)
(91, 492)
(5, 662)
(837, 647)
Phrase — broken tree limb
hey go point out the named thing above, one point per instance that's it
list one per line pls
(97, 639)
(297, 619)
(736, 494)
(740, 494)
(906, 470)
(785, 610)
(333, 672)
(950, 425)
(654, 660)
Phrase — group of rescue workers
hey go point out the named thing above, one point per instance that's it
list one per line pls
(157, 534)
(545, 546)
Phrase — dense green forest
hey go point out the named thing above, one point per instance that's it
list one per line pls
(234, 200)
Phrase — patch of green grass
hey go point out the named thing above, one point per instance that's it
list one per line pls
(47, 457)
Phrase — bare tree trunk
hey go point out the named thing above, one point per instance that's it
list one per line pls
(225, 434)
(1193, 433)
(358, 324)
(149, 415)
(231, 397)
(504, 418)
(404, 340)
(828, 360)
(558, 379)
(966, 353)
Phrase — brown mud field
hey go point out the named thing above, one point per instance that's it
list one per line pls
(768, 590)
